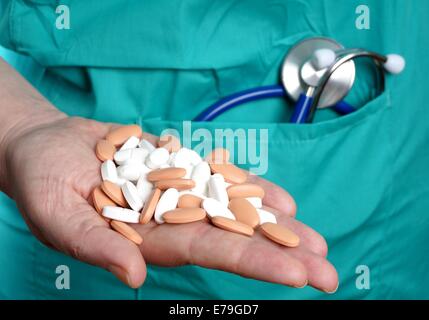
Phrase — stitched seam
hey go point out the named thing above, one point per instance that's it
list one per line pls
(11, 25)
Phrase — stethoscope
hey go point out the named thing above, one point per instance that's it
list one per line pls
(316, 73)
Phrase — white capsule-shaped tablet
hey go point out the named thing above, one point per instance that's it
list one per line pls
(167, 202)
(130, 171)
(194, 157)
(189, 169)
(121, 214)
(144, 169)
(217, 189)
(122, 156)
(185, 157)
(214, 208)
(137, 156)
(181, 158)
(129, 156)
(131, 143)
(201, 175)
(157, 158)
(255, 201)
(108, 171)
(266, 216)
(129, 190)
(171, 159)
(120, 182)
(144, 188)
(144, 144)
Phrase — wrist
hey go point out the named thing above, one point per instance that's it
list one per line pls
(17, 126)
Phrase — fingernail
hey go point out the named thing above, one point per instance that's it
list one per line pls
(121, 274)
(332, 292)
(305, 284)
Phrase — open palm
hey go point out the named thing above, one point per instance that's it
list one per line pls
(52, 170)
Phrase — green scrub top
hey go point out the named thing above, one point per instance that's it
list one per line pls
(361, 180)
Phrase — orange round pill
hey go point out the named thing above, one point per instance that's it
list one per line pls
(114, 192)
(279, 234)
(104, 150)
(230, 172)
(245, 190)
(165, 174)
(244, 212)
(118, 136)
(178, 184)
(184, 215)
(100, 200)
(150, 206)
(189, 201)
(126, 231)
(232, 225)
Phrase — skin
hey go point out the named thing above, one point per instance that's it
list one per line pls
(39, 145)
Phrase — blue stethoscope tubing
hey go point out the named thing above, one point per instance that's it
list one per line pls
(301, 109)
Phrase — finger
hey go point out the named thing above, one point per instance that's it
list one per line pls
(204, 245)
(87, 237)
(275, 196)
(309, 238)
(321, 274)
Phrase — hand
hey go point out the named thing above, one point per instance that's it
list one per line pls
(257, 257)
(51, 171)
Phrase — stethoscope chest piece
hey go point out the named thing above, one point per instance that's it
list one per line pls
(297, 67)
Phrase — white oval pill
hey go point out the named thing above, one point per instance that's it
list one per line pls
(214, 208)
(137, 156)
(132, 196)
(201, 175)
(108, 171)
(189, 169)
(157, 158)
(181, 159)
(122, 156)
(121, 214)
(217, 189)
(144, 144)
(167, 202)
(144, 187)
(130, 171)
(255, 201)
(120, 182)
(194, 157)
(266, 216)
(128, 156)
(131, 143)
(144, 169)
(171, 159)
(186, 157)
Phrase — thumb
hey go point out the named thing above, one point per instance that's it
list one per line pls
(87, 237)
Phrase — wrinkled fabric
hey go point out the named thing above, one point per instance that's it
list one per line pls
(360, 180)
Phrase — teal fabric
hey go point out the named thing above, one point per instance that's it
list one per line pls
(360, 180)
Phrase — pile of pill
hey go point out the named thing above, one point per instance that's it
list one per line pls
(171, 184)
